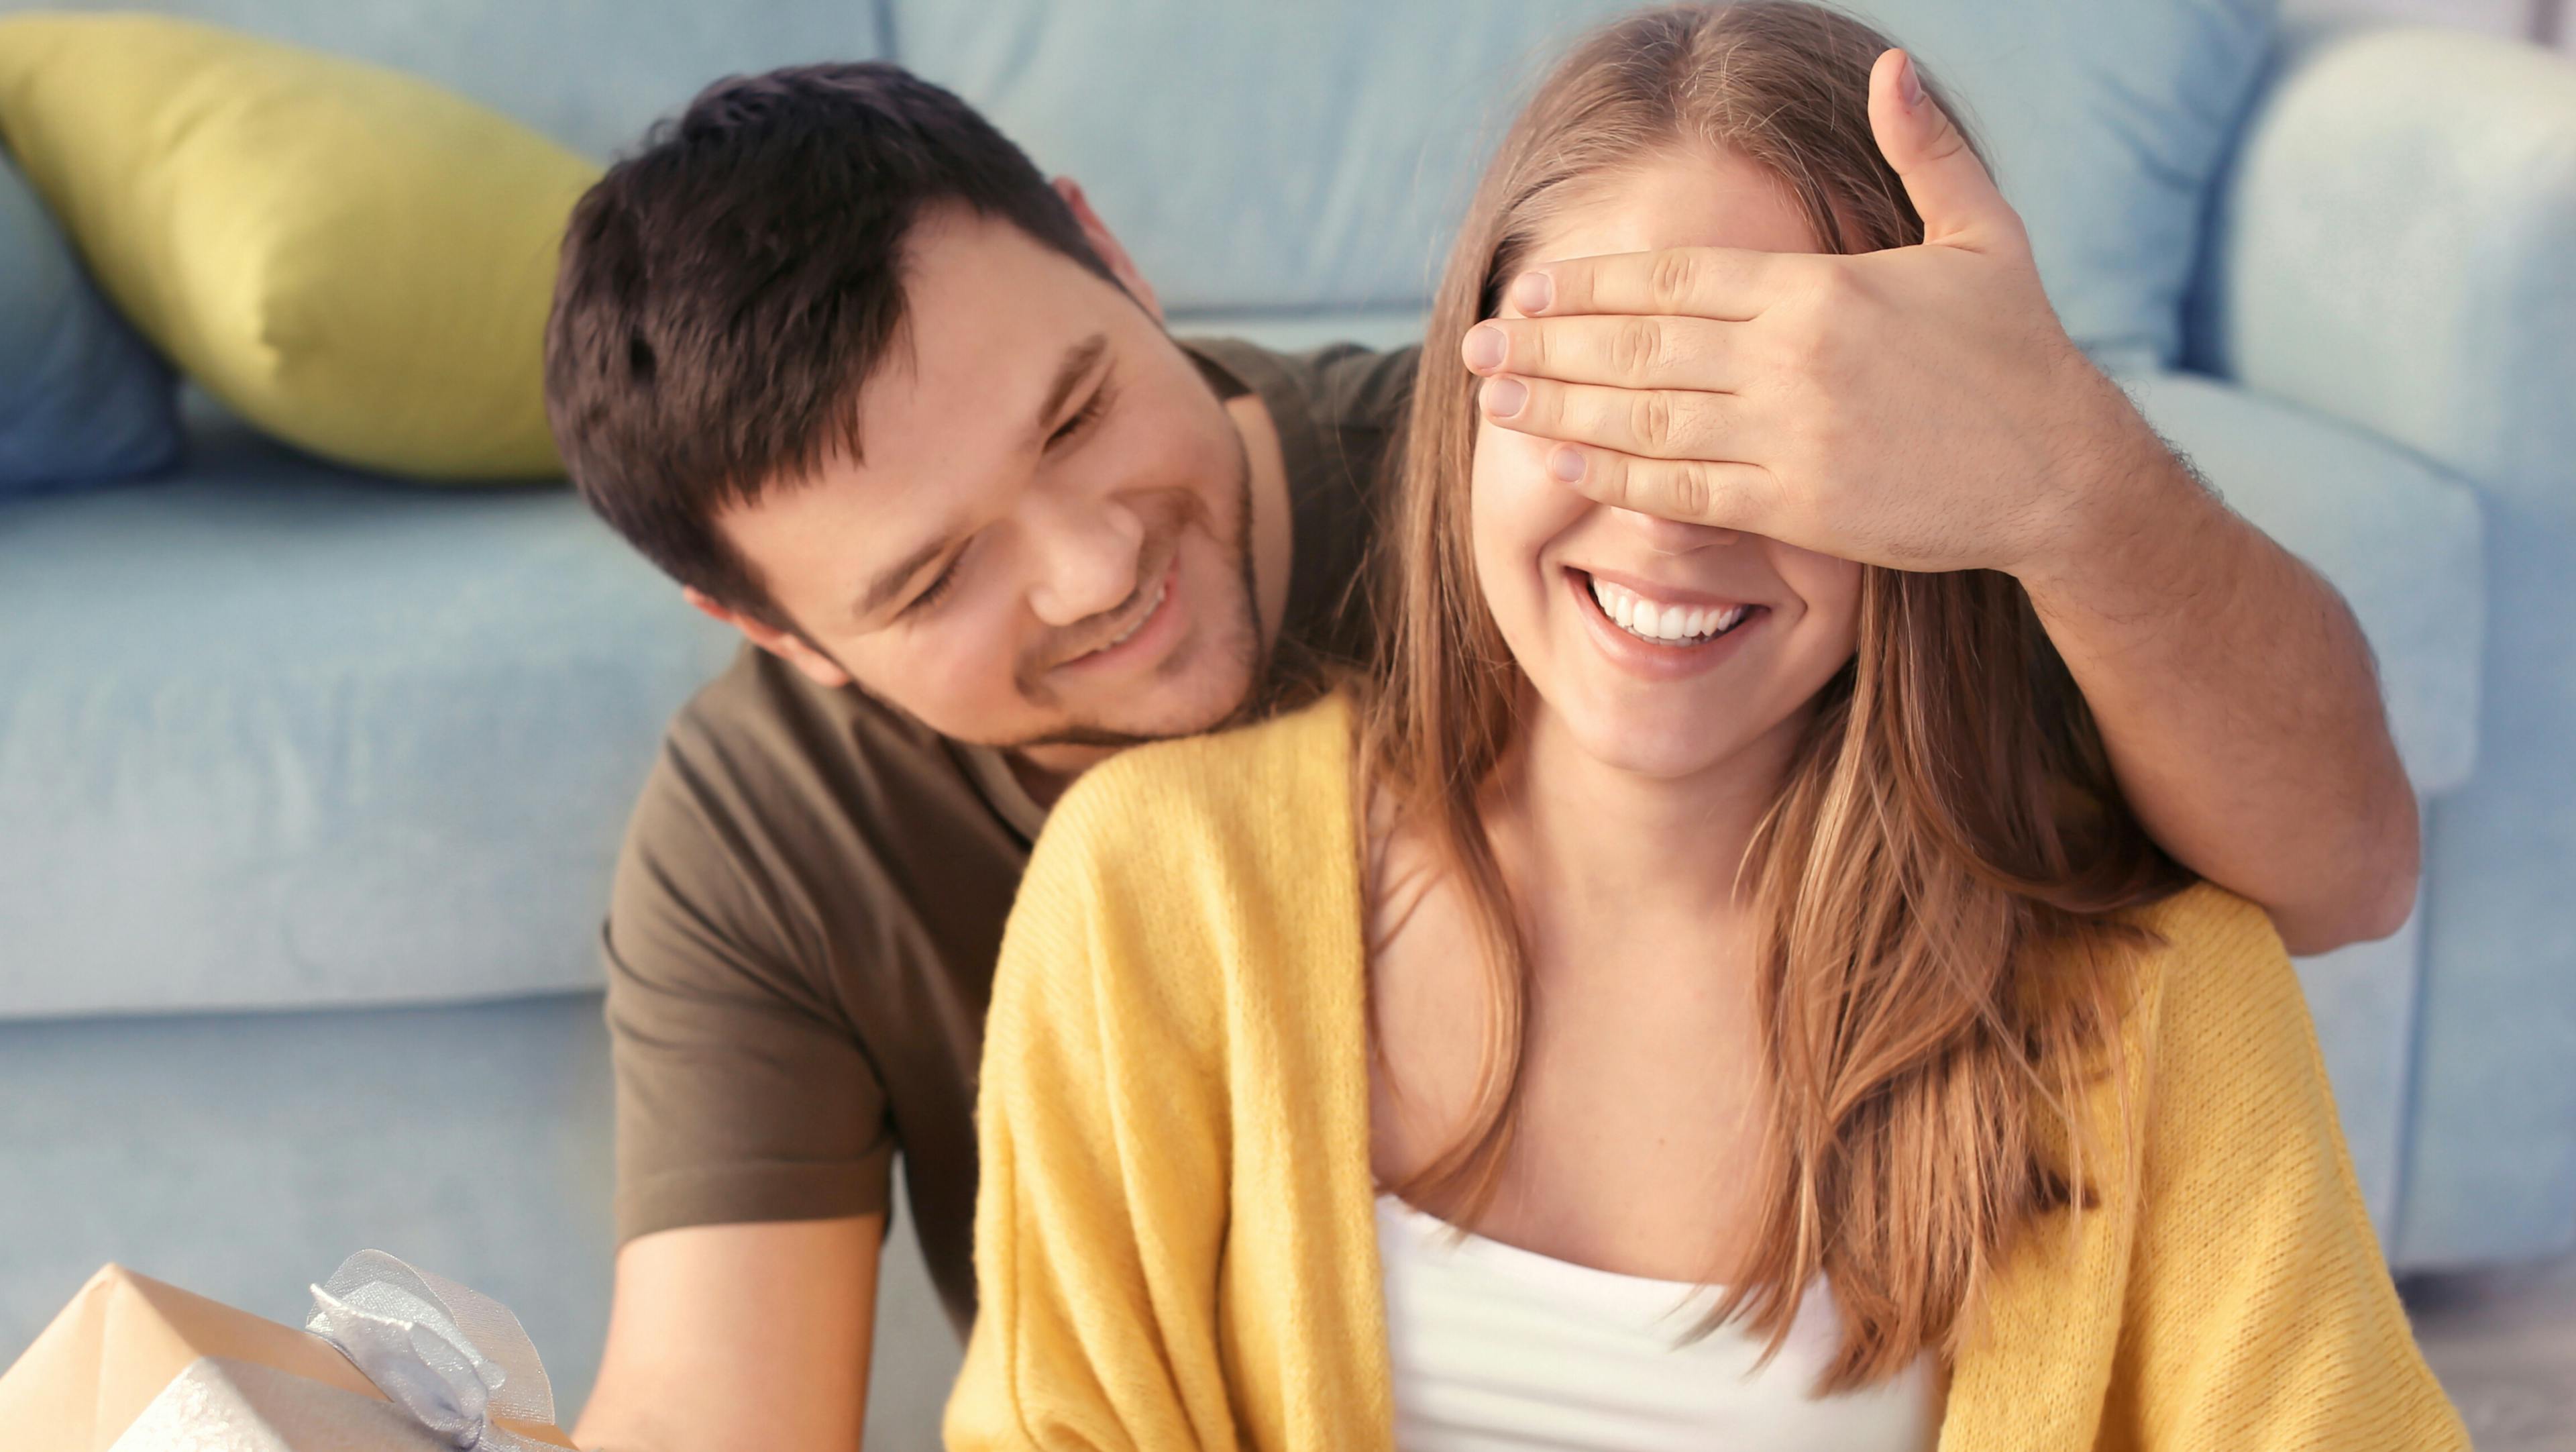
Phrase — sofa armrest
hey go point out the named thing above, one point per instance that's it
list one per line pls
(2395, 246)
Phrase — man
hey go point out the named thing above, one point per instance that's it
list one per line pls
(834, 355)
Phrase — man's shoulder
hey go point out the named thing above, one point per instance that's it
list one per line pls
(1343, 390)
(1355, 383)
(796, 803)
(761, 710)
(762, 738)
(1337, 411)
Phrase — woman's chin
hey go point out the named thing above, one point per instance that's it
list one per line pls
(1654, 743)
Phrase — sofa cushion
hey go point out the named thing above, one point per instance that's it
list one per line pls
(82, 396)
(591, 75)
(1318, 155)
(358, 261)
(2399, 538)
(242, 1155)
(274, 734)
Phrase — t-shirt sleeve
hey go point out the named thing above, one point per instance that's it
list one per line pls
(743, 1093)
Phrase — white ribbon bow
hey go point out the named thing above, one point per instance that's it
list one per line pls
(452, 1359)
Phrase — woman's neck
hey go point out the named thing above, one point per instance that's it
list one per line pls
(1575, 833)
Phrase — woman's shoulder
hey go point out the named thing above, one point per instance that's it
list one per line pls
(1179, 839)
(1282, 784)
(2204, 925)
(1179, 876)
(2230, 1053)
(2213, 952)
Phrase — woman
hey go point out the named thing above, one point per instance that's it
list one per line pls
(1696, 993)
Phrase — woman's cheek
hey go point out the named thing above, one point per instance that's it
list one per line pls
(1830, 586)
(1518, 509)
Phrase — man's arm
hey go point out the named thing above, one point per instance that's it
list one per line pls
(754, 1138)
(738, 1336)
(1921, 408)
(2238, 702)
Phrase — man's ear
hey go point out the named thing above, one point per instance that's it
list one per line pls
(1097, 233)
(787, 645)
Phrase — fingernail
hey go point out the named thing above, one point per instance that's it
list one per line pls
(1566, 464)
(1484, 346)
(1533, 291)
(1913, 83)
(1504, 396)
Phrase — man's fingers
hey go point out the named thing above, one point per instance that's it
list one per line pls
(1692, 491)
(1727, 283)
(1655, 423)
(1624, 352)
(1960, 204)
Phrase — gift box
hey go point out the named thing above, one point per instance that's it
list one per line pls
(393, 1359)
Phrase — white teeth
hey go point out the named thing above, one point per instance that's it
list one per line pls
(1146, 614)
(1676, 624)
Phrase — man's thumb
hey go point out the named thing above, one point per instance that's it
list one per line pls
(1959, 203)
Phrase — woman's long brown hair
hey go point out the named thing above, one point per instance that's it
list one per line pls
(1942, 882)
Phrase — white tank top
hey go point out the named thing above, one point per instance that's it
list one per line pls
(1496, 1348)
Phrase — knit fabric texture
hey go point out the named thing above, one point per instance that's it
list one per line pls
(1176, 1241)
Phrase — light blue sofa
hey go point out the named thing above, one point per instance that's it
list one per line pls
(310, 782)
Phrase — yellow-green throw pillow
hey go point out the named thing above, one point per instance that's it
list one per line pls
(355, 260)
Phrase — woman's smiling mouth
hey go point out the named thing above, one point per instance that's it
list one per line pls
(1663, 638)
(1660, 619)
(1665, 624)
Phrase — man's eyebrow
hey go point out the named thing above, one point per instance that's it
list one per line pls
(889, 582)
(1077, 364)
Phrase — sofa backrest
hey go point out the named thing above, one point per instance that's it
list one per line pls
(1295, 160)
(1281, 158)
(590, 73)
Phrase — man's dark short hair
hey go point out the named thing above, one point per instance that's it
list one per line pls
(726, 290)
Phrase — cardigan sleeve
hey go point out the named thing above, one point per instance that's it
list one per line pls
(2260, 1313)
(1101, 1218)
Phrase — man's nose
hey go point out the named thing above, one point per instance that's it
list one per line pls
(1088, 553)
(1671, 537)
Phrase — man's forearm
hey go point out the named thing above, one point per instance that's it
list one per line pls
(2237, 699)
(725, 1337)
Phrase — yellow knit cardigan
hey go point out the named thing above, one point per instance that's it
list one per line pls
(1176, 1241)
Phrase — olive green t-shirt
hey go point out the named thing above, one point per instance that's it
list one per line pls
(801, 937)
